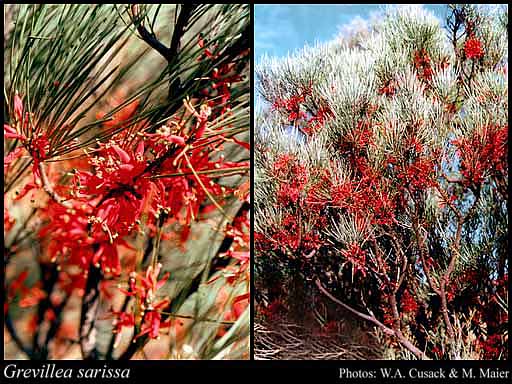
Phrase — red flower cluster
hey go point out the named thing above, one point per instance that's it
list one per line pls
(423, 65)
(483, 154)
(368, 196)
(356, 257)
(27, 296)
(308, 122)
(388, 89)
(146, 293)
(316, 122)
(418, 175)
(37, 145)
(8, 220)
(293, 177)
(292, 105)
(408, 303)
(492, 347)
(473, 48)
(273, 310)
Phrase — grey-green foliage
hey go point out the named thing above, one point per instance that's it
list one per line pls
(347, 79)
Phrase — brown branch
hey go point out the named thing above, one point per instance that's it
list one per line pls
(364, 316)
(90, 304)
(423, 258)
(398, 331)
(49, 275)
(110, 350)
(49, 189)
(446, 198)
(14, 335)
(380, 262)
(398, 251)
(179, 29)
(451, 266)
(147, 36)
(461, 219)
(388, 331)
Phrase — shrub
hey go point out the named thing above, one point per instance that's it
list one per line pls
(381, 179)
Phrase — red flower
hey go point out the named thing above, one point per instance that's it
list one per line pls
(292, 105)
(27, 296)
(153, 321)
(473, 48)
(316, 122)
(8, 220)
(149, 285)
(166, 135)
(357, 257)
(67, 228)
(408, 303)
(388, 88)
(38, 146)
(121, 189)
(18, 107)
(33, 296)
(11, 133)
(492, 347)
(423, 65)
(18, 284)
(483, 154)
(121, 116)
(146, 291)
(437, 351)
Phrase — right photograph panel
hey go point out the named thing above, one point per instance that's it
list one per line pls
(381, 182)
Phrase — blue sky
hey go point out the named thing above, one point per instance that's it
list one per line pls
(279, 29)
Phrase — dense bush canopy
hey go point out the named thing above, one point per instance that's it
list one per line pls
(381, 179)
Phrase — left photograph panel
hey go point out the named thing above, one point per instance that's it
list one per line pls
(127, 181)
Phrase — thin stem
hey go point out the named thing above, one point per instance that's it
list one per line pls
(195, 318)
(222, 172)
(49, 189)
(206, 190)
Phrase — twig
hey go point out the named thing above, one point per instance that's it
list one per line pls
(49, 190)
(147, 36)
(206, 190)
(110, 350)
(372, 319)
(90, 304)
(48, 286)
(14, 335)
(206, 320)
(178, 32)
(391, 332)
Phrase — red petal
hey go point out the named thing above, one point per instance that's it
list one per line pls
(242, 143)
(26, 189)
(122, 154)
(126, 167)
(18, 107)
(13, 155)
(125, 292)
(176, 139)
(140, 149)
(10, 133)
